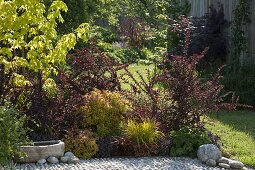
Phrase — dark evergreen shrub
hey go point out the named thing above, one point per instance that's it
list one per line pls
(210, 31)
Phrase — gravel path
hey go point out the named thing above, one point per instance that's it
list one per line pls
(146, 163)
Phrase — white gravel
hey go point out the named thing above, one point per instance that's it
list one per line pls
(145, 163)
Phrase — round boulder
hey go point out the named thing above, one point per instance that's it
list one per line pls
(208, 151)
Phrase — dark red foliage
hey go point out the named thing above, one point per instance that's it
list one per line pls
(90, 68)
(184, 97)
(45, 119)
(191, 96)
(179, 36)
(86, 69)
(133, 31)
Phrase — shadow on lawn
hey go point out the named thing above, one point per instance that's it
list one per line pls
(241, 120)
(237, 132)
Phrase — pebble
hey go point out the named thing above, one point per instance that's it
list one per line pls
(64, 159)
(236, 164)
(211, 163)
(143, 163)
(52, 160)
(42, 161)
(223, 160)
(73, 160)
(224, 165)
(70, 154)
(150, 163)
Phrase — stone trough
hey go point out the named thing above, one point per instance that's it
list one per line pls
(42, 150)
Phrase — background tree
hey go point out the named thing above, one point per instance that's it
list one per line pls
(80, 11)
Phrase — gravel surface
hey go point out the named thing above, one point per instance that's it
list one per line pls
(157, 163)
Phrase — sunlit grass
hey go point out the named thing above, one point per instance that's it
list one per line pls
(142, 69)
(237, 132)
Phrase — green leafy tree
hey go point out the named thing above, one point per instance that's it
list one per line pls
(158, 15)
(156, 11)
(79, 11)
(29, 40)
(89, 11)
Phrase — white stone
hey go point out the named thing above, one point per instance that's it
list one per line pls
(223, 165)
(236, 164)
(208, 151)
(70, 154)
(223, 160)
(41, 161)
(52, 160)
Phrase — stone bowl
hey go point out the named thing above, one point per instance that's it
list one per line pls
(42, 150)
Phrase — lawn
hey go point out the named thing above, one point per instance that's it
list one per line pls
(237, 132)
(142, 69)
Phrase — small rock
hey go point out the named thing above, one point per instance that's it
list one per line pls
(236, 164)
(42, 161)
(64, 159)
(52, 160)
(208, 151)
(223, 160)
(70, 154)
(73, 160)
(211, 163)
(224, 165)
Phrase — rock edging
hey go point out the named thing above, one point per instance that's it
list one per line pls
(68, 157)
(211, 155)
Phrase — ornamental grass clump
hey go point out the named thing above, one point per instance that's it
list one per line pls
(145, 132)
(140, 138)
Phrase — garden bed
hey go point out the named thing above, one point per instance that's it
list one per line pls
(96, 98)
